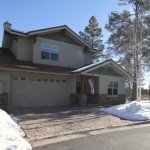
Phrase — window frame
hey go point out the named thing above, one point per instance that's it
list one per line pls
(46, 58)
(111, 86)
(52, 50)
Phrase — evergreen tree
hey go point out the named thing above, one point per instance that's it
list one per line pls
(129, 39)
(92, 35)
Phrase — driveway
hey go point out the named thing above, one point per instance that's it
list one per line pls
(49, 122)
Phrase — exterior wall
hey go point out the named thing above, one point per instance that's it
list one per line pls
(72, 85)
(14, 48)
(103, 84)
(68, 56)
(88, 58)
(4, 95)
(102, 98)
(5, 78)
(25, 48)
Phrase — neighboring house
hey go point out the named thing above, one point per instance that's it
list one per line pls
(51, 67)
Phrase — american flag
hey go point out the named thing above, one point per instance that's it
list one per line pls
(91, 84)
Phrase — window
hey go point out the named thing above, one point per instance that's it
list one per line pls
(45, 79)
(15, 78)
(23, 78)
(31, 79)
(38, 79)
(51, 80)
(79, 53)
(49, 52)
(57, 80)
(45, 55)
(54, 55)
(113, 88)
(63, 81)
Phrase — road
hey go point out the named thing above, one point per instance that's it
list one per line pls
(131, 139)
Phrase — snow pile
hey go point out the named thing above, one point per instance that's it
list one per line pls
(136, 111)
(10, 135)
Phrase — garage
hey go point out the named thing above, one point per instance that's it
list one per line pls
(27, 91)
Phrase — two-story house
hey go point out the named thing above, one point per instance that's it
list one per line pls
(52, 67)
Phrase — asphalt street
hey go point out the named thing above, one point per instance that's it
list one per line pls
(131, 139)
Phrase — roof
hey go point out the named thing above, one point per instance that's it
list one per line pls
(42, 31)
(8, 61)
(93, 66)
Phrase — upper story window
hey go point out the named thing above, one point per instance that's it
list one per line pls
(49, 52)
(113, 88)
(54, 55)
(45, 55)
(79, 53)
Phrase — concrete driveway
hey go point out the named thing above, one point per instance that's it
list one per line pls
(49, 122)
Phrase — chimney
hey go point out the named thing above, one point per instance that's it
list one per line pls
(7, 25)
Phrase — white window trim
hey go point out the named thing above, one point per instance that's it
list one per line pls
(50, 49)
(112, 89)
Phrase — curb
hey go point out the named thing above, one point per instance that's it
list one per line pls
(56, 139)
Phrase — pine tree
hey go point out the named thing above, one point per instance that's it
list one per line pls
(129, 38)
(92, 35)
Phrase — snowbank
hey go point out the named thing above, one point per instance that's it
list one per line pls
(10, 135)
(136, 111)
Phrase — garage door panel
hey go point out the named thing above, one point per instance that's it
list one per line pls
(26, 93)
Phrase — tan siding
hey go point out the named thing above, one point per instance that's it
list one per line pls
(25, 48)
(5, 78)
(72, 84)
(67, 54)
(14, 48)
(103, 84)
(88, 58)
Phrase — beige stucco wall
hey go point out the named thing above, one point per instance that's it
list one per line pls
(14, 47)
(5, 78)
(25, 48)
(103, 84)
(87, 58)
(68, 56)
(72, 84)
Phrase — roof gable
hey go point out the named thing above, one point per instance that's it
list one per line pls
(59, 36)
(108, 67)
(105, 70)
(64, 28)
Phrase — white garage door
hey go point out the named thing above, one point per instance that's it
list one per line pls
(38, 91)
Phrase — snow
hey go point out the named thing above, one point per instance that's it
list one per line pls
(86, 67)
(136, 111)
(10, 134)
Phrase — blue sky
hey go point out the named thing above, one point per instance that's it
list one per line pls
(36, 14)
(26, 15)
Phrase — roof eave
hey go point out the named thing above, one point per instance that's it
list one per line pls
(30, 33)
(33, 71)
